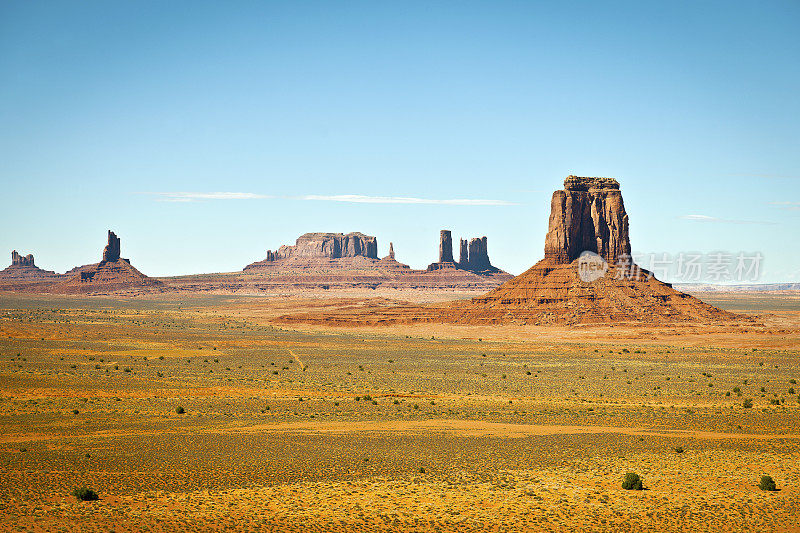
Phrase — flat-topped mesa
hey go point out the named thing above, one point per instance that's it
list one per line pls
(329, 246)
(588, 215)
(21, 260)
(112, 249)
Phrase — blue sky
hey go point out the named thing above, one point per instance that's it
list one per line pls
(107, 109)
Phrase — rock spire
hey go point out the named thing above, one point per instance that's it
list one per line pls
(111, 251)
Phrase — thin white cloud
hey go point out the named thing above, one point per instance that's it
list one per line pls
(361, 199)
(706, 218)
(787, 205)
(197, 196)
(698, 217)
(349, 198)
(765, 175)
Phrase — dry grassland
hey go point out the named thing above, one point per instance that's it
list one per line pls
(412, 428)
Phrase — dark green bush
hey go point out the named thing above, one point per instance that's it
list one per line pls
(767, 483)
(747, 404)
(180, 410)
(85, 494)
(632, 481)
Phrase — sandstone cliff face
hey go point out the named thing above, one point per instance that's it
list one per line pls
(478, 259)
(112, 249)
(328, 246)
(587, 215)
(21, 260)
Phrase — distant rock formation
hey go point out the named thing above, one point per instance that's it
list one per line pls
(113, 274)
(445, 246)
(473, 255)
(334, 261)
(324, 246)
(111, 251)
(20, 260)
(588, 215)
(478, 259)
(24, 275)
(562, 288)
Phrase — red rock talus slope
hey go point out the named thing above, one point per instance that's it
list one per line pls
(588, 215)
(553, 293)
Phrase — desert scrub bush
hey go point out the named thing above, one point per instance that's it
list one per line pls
(632, 481)
(180, 410)
(747, 403)
(85, 494)
(678, 449)
(767, 483)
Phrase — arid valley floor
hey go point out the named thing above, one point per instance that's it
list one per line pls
(400, 428)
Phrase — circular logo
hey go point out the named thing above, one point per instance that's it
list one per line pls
(591, 267)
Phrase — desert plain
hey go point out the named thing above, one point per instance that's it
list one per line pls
(209, 412)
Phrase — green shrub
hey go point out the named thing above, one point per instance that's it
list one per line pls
(85, 494)
(747, 403)
(632, 481)
(767, 483)
(180, 410)
(678, 449)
